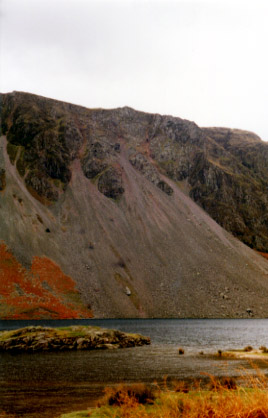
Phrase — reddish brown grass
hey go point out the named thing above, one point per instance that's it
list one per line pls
(43, 291)
(265, 255)
(224, 400)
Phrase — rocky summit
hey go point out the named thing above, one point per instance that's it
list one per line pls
(120, 213)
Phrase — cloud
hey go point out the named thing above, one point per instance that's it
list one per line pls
(201, 60)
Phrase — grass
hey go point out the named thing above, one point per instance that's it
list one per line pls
(82, 414)
(77, 331)
(62, 332)
(222, 398)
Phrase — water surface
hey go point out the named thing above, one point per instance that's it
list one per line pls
(44, 385)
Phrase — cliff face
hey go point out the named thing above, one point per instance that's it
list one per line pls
(242, 198)
(103, 193)
(225, 170)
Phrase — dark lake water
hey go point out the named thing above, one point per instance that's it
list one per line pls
(45, 385)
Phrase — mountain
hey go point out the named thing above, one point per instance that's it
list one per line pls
(114, 200)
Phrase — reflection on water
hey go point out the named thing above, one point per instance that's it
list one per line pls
(44, 385)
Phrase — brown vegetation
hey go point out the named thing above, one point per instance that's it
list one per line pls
(248, 348)
(138, 393)
(223, 399)
(44, 291)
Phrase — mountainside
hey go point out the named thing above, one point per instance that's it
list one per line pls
(107, 196)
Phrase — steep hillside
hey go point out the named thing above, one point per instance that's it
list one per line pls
(103, 194)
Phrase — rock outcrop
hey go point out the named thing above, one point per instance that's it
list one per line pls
(2, 179)
(35, 339)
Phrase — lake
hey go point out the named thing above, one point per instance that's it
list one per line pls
(45, 385)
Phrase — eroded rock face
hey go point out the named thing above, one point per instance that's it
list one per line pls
(2, 179)
(165, 187)
(110, 183)
(141, 163)
(93, 163)
(37, 181)
(42, 142)
(225, 170)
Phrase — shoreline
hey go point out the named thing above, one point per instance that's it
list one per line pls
(88, 393)
(58, 382)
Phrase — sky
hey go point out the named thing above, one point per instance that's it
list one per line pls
(202, 60)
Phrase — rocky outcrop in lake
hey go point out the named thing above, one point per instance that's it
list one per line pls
(35, 339)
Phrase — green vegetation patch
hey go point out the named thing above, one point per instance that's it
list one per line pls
(81, 414)
(61, 332)
(12, 151)
(21, 166)
(85, 328)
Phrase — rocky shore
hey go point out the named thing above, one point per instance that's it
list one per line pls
(37, 338)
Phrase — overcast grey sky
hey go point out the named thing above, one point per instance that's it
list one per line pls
(200, 60)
